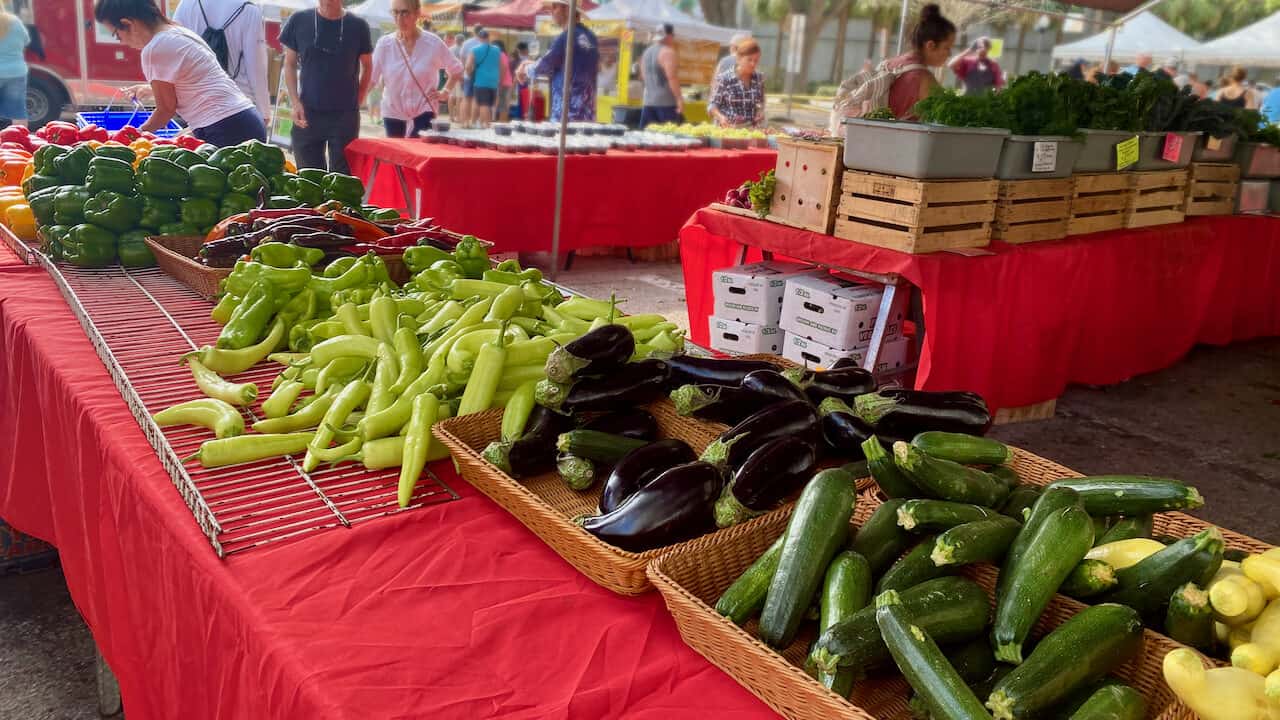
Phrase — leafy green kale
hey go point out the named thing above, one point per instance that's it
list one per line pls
(1037, 104)
(945, 107)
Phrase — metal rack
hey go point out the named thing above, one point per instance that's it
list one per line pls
(140, 322)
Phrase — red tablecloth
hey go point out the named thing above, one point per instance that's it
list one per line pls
(1019, 325)
(453, 611)
(633, 199)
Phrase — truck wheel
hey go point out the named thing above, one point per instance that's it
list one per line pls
(44, 101)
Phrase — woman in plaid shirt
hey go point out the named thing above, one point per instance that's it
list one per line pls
(738, 100)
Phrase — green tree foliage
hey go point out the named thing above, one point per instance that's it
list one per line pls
(1208, 19)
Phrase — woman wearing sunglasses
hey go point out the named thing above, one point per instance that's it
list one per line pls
(409, 62)
(183, 73)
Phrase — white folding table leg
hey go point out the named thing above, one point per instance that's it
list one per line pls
(404, 193)
(368, 182)
(892, 306)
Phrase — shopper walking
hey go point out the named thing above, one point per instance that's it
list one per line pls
(328, 65)
(581, 103)
(407, 64)
(467, 106)
(184, 75)
(519, 59)
(659, 73)
(244, 35)
(976, 70)
(506, 84)
(1235, 92)
(484, 64)
(13, 68)
(739, 97)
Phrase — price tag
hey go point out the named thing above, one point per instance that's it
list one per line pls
(1044, 156)
(1127, 153)
(1213, 143)
(1172, 147)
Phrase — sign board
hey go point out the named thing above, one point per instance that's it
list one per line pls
(1044, 156)
(1172, 147)
(1127, 153)
(1213, 143)
(696, 60)
(795, 44)
(997, 48)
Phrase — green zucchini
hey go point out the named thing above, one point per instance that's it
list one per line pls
(1020, 498)
(1044, 506)
(880, 540)
(923, 664)
(951, 609)
(913, 568)
(1148, 586)
(1100, 525)
(818, 527)
(892, 481)
(598, 446)
(949, 480)
(1080, 651)
(1007, 475)
(1111, 701)
(744, 598)
(1127, 528)
(845, 590)
(935, 515)
(1189, 619)
(973, 660)
(1234, 554)
(1132, 494)
(983, 688)
(978, 541)
(1088, 579)
(1056, 545)
(964, 449)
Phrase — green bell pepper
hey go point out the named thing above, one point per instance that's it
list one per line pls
(119, 152)
(267, 158)
(207, 181)
(200, 212)
(315, 175)
(113, 211)
(178, 229)
(234, 204)
(163, 151)
(54, 238)
(249, 321)
(339, 266)
(88, 245)
(382, 215)
(280, 183)
(280, 202)
(162, 178)
(206, 150)
(133, 251)
(73, 165)
(246, 180)
(471, 257)
(305, 191)
(36, 183)
(109, 174)
(345, 189)
(68, 204)
(156, 212)
(42, 206)
(228, 159)
(420, 257)
(285, 255)
(184, 158)
(42, 160)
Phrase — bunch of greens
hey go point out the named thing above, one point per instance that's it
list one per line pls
(1099, 106)
(761, 193)
(883, 113)
(1211, 118)
(1038, 104)
(945, 107)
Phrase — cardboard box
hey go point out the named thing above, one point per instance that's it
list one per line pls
(744, 338)
(753, 293)
(894, 354)
(838, 313)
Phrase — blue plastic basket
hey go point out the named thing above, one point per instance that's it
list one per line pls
(112, 120)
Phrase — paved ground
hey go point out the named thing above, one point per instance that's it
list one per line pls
(1213, 420)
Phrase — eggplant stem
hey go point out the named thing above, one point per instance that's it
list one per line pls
(730, 511)
(689, 399)
(872, 407)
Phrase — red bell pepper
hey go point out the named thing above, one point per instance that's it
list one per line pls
(60, 133)
(93, 132)
(126, 135)
(148, 135)
(7, 145)
(16, 135)
(163, 141)
(188, 142)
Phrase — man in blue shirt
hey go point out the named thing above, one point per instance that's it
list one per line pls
(586, 65)
(484, 64)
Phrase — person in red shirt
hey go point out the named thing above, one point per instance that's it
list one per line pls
(931, 42)
(978, 72)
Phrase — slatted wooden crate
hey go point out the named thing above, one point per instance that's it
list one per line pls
(915, 216)
(1033, 210)
(1158, 198)
(807, 184)
(1099, 201)
(1212, 188)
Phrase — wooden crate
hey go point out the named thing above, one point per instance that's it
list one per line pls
(915, 216)
(1099, 201)
(1033, 210)
(1212, 188)
(807, 187)
(1158, 198)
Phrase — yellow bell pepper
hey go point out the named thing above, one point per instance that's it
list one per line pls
(289, 167)
(21, 221)
(95, 144)
(28, 171)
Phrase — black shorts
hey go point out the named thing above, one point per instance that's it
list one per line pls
(486, 97)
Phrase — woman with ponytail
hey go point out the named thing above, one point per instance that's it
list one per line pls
(931, 43)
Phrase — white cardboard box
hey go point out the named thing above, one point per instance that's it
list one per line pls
(813, 354)
(753, 293)
(745, 338)
(838, 313)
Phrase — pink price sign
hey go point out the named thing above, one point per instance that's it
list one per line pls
(1172, 147)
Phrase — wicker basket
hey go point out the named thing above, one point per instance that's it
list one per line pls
(175, 254)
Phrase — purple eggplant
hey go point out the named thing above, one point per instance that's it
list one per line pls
(775, 470)
(906, 413)
(843, 431)
(639, 467)
(676, 506)
(773, 384)
(718, 403)
(690, 370)
(845, 383)
(632, 422)
(637, 383)
(600, 351)
(535, 452)
(793, 418)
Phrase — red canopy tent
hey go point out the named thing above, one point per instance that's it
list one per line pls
(517, 14)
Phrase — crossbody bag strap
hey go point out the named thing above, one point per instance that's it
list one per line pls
(404, 55)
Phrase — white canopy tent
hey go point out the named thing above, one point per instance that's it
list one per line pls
(376, 12)
(1257, 45)
(1144, 33)
(649, 15)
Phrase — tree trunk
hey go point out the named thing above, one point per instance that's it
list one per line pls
(778, 70)
(814, 20)
(1022, 41)
(842, 36)
(719, 12)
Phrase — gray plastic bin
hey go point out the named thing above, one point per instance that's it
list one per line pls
(1254, 196)
(1018, 152)
(1151, 146)
(1258, 160)
(916, 150)
(1225, 151)
(1098, 151)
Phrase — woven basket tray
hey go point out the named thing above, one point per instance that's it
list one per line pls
(176, 254)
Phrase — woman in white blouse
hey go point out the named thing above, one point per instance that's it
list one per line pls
(408, 63)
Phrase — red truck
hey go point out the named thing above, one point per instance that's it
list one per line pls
(74, 62)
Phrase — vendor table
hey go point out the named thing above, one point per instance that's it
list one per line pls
(625, 199)
(449, 611)
(1017, 325)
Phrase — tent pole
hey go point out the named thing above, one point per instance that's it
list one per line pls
(1111, 46)
(902, 25)
(570, 42)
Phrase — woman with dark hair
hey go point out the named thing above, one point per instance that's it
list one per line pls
(931, 42)
(184, 75)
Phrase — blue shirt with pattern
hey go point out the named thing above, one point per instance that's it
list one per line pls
(586, 65)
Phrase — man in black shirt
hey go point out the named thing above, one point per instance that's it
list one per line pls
(334, 52)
